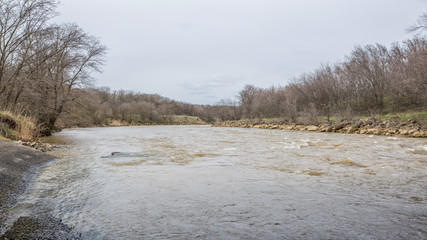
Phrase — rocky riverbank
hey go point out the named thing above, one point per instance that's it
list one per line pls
(44, 147)
(410, 128)
(18, 167)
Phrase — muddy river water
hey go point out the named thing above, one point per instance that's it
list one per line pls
(202, 182)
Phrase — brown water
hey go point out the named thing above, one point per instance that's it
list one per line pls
(201, 182)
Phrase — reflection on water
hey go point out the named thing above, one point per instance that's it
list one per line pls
(186, 182)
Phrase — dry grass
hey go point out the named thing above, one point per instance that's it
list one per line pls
(17, 127)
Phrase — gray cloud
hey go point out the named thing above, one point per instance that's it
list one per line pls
(213, 89)
(202, 51)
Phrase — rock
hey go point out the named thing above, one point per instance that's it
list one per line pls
(403, 132)
(363, 131)
(361, 126)
(353, 128)
(372, 122)
(383, 124)
(374, 131)
(357, 124)
(392, 131)
(311, 128)
(339, 126)
(286, 127)
(300, 128)
(321, 129)
(45, 147)
(419, 134)
(329, 129)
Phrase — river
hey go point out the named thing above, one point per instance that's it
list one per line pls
(202, 182)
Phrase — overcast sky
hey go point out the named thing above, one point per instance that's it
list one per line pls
(201, 51)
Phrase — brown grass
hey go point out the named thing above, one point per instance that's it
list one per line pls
(18, 127)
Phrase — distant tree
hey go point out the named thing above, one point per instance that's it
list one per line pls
(227, 109)
(368, 68)
(247, 100)
(421, 24)
(409, 77)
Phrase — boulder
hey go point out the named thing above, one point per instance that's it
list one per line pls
(392, 131)
(311, 128)
(374, 131)
(403, 132)
(286, 127)
(420, 134)
(363, 131)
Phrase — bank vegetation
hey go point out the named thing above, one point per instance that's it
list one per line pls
(46, 73)
(372, 81)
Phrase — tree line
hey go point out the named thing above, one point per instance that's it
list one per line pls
(46, 68)
(101, 106)
(372, 80)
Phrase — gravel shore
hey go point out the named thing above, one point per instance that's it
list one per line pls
(18, 167)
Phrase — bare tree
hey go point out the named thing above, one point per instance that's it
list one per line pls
(19, 20)
(368, 67)
(420, 26)
(247, 98)
(73, 56)
(227, 109)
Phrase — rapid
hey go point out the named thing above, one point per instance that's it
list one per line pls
(202, 182)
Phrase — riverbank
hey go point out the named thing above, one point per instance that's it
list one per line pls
(372, 126)
(19, 166)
